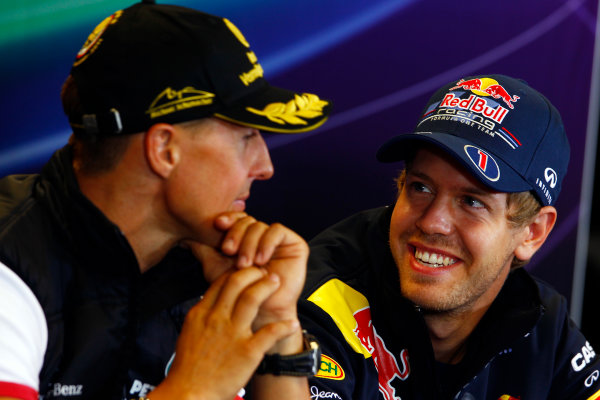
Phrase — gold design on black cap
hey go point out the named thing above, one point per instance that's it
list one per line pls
(94, 39)
(237, 33)
(256, 72)
(306, 106)
(170, 101)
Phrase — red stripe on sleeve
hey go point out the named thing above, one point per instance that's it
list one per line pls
(19, 391)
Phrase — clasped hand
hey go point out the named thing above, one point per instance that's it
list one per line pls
(256, 276)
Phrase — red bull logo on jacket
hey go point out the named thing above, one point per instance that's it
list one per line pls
(385, 362)
(351, 312)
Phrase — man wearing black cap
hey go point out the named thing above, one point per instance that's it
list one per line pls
(426, 299)
(99, 270)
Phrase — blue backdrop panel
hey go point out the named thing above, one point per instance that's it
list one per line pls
(377, 60)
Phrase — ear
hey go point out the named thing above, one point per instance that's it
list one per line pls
(536, 232)
(161, 148)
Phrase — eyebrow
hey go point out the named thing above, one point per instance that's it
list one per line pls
(474, 190)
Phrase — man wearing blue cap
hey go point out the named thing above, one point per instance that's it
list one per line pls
(103, 294)
(426, 299)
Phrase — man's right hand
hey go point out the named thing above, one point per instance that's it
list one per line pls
(217, 351)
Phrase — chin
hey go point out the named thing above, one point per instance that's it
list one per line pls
(424, 302)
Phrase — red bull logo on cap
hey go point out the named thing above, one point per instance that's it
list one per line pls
(487, 87)
(476, 103)
(385, 362)
(476, 107)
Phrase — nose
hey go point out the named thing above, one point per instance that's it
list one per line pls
(263, 167)
(436, 218)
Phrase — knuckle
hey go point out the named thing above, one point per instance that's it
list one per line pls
(251, 297)
(237, 278)
(249, 219)
(213, 319)
(278, 226)
(196, 312)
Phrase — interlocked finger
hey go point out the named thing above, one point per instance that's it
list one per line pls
(249, 245)
(235, 234)
(251, 298)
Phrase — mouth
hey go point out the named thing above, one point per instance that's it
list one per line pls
(239, 204)
(432, 259)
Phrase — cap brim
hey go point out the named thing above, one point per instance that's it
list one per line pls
(505, 180)
(274, 109)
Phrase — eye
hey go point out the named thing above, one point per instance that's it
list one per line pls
(472, 202)
(250, 135)
(419, 187)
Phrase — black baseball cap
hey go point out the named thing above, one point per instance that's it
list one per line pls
(153, 63)
(507, 134)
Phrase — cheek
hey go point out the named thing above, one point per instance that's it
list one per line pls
(486, 245)
(402, 219)
(400, 228)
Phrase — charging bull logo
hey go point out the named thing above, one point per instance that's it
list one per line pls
(385, 362)
(487, 87)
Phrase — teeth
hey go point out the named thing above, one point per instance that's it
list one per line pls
(433, 260)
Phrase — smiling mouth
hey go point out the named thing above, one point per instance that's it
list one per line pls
(433, 260)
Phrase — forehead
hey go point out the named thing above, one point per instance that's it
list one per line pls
(431, 162)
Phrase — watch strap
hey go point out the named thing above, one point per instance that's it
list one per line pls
(306, 363)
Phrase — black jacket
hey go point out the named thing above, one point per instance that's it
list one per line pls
(111, 329)
(376, 345)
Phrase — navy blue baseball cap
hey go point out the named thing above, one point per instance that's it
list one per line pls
(508, 135)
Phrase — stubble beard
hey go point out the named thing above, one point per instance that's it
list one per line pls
(462, 295)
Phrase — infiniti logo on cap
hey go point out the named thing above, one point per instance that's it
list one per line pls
(551, 177)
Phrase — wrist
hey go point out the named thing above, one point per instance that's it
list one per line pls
(303, 363)
(292, 344)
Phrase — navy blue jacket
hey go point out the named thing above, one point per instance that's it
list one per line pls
(376, 345)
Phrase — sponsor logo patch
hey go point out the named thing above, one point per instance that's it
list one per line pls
(484, 162)
(482, 104)
(590, 380)
(351, 312)
(385, 362)
(95, 38)
(551, 177)
(487, 87)
(583, 358)
(60, 390)
(257, 71)
(170, 101)
(330, 369)
(316, 394)
(140, 389)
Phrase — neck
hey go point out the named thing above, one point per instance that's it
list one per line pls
(132, 202)
(449, 331)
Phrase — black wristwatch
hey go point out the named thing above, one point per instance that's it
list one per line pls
(306, 363)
